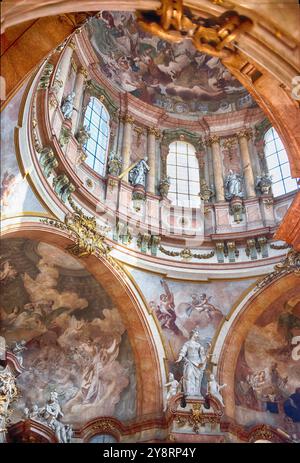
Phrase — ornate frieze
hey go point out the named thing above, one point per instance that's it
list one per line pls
(186, 253)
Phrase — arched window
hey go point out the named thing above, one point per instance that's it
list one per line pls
(102, 439)
(183, 170)
(96, 118)
(278, 164)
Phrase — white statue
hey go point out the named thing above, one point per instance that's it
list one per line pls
(67, 105)
(18, 350)
(213, 388)
(50, 415)
(233, 186)
(137, 175)
(172, 386)
(194, 356)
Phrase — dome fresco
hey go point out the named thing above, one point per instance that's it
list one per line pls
(174, 77)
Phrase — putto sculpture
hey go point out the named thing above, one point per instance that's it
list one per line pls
(214, 389)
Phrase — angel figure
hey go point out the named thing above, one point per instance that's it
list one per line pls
(166, 309)
(172, 386)
(213, 388)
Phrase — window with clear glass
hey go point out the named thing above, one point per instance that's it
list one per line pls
(96, 119)
(183, 170)
(278, 164)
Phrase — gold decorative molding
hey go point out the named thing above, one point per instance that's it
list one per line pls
(174, 22)
(212, 139)
(88, 240)
(82, 70)
(128, 119)
(154, 131)
(290, 264)
(72, 45)
(245, 133)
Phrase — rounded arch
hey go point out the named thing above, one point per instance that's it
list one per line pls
(234, 331)
(143, 335)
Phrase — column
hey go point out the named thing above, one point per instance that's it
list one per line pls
(64, 67)
(78, 90)
(153, 133)
(164, 151)
(126, 144)
(243, 137)
(214, 142)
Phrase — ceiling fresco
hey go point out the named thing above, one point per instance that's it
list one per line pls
(175, 77)
(76, 343)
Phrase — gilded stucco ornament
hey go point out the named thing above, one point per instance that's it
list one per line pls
(290, 264)
(174, 22)
(89, 239)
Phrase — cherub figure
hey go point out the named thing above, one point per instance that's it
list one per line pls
(213, 388)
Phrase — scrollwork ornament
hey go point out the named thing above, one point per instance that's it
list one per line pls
(174, 22)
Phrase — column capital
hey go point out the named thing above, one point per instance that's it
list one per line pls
(72, 45)
(229, 142)
(127, 118)
(82, 70)
(210, 140)
(245, 133)
(154, 131)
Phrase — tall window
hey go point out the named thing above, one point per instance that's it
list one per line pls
(183, 170)
(96, 118)
(278, 164)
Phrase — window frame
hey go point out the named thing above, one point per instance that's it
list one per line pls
(280, 159)
(182, 160)
(95, 117)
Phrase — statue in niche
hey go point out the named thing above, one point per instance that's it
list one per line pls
(67, 105)
(195, 358)
(233, 186)
(137, 175)
(213, 388)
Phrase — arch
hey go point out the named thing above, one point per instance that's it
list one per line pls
(234, 331)
(148, 354)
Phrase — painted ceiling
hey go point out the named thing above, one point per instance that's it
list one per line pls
(174, 77)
